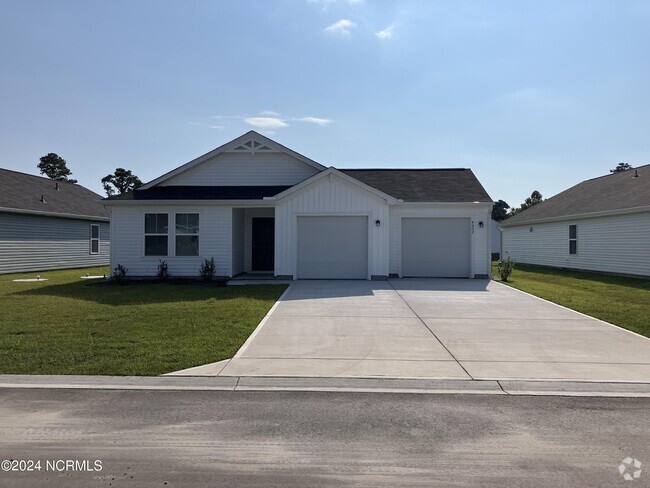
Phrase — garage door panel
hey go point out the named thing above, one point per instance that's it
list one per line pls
(332, 247)
(433, 247)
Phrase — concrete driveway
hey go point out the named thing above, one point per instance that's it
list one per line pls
(434, 328)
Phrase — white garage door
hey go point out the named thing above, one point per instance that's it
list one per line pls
(332, 247)
(436, 248)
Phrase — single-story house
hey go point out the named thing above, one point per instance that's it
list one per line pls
(257, 206)
(602, 224)
(47, 224)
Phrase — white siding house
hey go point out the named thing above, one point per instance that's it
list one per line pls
(599, 225)
(259, 207)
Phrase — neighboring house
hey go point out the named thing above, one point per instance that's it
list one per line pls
(602, 224)
(45, 225)
(495, 238)
(257, 206)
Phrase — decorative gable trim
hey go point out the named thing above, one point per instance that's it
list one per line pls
(252, 142)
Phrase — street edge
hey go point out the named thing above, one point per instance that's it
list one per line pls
(333, 385)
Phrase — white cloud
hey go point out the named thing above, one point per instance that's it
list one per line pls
(356, 2)
(269, 113)
(216, 127)
(316, 120)
(385, 34)
(341, 27)
(266, 122)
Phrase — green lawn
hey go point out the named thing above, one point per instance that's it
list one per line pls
(621, 301)
(66, 326)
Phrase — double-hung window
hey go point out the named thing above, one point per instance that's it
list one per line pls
(573, 239)
(156, 234)
(94, 238)
(187, 234)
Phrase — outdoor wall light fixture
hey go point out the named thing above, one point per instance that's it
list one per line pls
(480, 224)
(377, 223)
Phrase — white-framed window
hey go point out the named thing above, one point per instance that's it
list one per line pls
(94, 238)
(187, 234)
(573, 239)
(156, 234)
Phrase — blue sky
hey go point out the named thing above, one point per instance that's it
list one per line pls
(530, 95)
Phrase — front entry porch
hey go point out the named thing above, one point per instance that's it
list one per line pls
(253, 241)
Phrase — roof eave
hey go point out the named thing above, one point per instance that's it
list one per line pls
(242, 203)
(62, 215)
(587, 215)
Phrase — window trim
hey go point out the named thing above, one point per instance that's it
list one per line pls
(198, 234)
(98, 239)
(146, 234)
(573, 240)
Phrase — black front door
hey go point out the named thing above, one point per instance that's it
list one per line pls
(263, 237)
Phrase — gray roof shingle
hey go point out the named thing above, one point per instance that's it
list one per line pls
(611, 192)
(21, 191)
(424, 185)
(410, 185)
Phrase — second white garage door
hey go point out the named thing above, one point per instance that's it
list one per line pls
(436, 248)
(332, 247)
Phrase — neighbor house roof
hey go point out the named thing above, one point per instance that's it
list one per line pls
(24, 193)
(615, 192)
(424, 185)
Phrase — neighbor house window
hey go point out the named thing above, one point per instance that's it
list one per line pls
(187, 234)
(94, 239)
(573, 239)
(156, 230)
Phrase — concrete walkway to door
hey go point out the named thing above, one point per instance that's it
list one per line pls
(433, 328)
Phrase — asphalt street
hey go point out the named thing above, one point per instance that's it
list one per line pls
(221, 438)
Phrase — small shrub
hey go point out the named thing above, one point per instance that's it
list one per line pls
(207, 269)
(505, 268)
(119, 273)
(163, 270)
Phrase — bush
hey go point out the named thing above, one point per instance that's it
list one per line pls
(207, 269)
(163, 270)
(505, 268)
(119, 273)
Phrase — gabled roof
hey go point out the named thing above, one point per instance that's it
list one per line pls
(611, 193)
(424, 185)
(343, 176)
(22, 193)
(250, 142)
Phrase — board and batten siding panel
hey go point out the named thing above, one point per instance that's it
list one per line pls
(39, 243)
(613, 244)
(233, 169)
(331, 196)
(480, 251)
(238, 239)
(215, 229)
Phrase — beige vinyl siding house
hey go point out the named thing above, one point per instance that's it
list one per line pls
(599, 225)
(262, 208)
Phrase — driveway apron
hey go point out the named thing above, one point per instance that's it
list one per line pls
(435, 328)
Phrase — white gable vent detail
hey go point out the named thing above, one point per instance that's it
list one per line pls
(252, 146)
